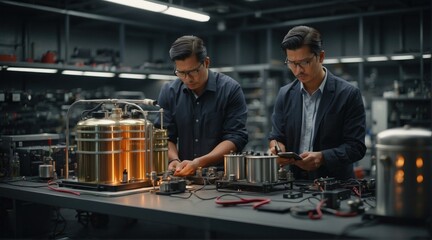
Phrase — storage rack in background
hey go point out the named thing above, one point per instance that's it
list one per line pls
(260, 84)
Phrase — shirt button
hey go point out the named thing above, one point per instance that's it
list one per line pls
(197, 103)
(196, 120)
(196, 139)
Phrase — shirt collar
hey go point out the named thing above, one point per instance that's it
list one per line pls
(321, 87)
(211, 82)
(210, 85)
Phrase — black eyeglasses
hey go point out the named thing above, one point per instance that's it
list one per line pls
(304, 63)
(191, 73)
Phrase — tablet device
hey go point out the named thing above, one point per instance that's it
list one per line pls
(289, 155)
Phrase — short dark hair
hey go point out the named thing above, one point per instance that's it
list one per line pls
(300, 36)
(186, 46)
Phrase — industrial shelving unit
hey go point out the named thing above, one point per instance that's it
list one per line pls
(260, 84)
(399, 111)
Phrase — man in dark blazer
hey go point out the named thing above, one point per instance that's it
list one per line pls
(318, 115)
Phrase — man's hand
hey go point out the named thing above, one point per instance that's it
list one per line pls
(186, 168)
(173, 165)
(311, 161)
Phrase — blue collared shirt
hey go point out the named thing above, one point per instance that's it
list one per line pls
(198, 124)
(310, 108)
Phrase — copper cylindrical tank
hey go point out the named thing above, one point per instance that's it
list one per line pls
(160, 150)
(99, 148)
(136, 137)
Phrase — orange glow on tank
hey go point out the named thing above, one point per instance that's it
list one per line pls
(399, 176)
(419, 162)
(400, 161)
(420, 178)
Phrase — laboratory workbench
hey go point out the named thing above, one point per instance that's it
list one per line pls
(199, 211)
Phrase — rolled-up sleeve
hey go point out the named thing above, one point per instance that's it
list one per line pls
(234, 128)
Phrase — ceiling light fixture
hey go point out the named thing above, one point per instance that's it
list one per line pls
(223, 69)
(188, 14)
(34, 70)
(142, 4)
(351, 60)
(132, 76)
(331, 60)
(402, 57)
(168, 9)
(376, 58)
(98, 74)
(88, 73)
(72, 72)
(161, 77)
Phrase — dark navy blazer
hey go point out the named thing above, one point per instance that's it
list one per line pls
(340, 126)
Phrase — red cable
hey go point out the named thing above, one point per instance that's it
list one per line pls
(259, 201)
(356, 191)
(319, 214)
(345, 214)
(61, 190)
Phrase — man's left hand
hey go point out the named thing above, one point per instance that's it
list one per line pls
(311, 161)
(186, 168)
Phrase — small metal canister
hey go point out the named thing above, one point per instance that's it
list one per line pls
(235, 166)
(404, 173)
(261, 168)
(46, 171)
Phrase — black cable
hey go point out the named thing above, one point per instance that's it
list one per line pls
(11, 182)
(210, 198)
(304, 199)
(193, 192)
(201, 188)
(86, 112)
(177, 196)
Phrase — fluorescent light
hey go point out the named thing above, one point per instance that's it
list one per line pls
(162, 77)
(142, 4)
(164, 8)
(72, 72)
(352, 60)
(377, 58)
(98, 74)
(88, 73)
(427, 55)
(331, 60)
(402, 57)
(223, 69)
(183, 13)
(132, 76)
(34, 70)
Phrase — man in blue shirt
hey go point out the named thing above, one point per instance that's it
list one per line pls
(205, 112)
(318, 115)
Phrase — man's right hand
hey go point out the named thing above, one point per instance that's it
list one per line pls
(173, 165)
